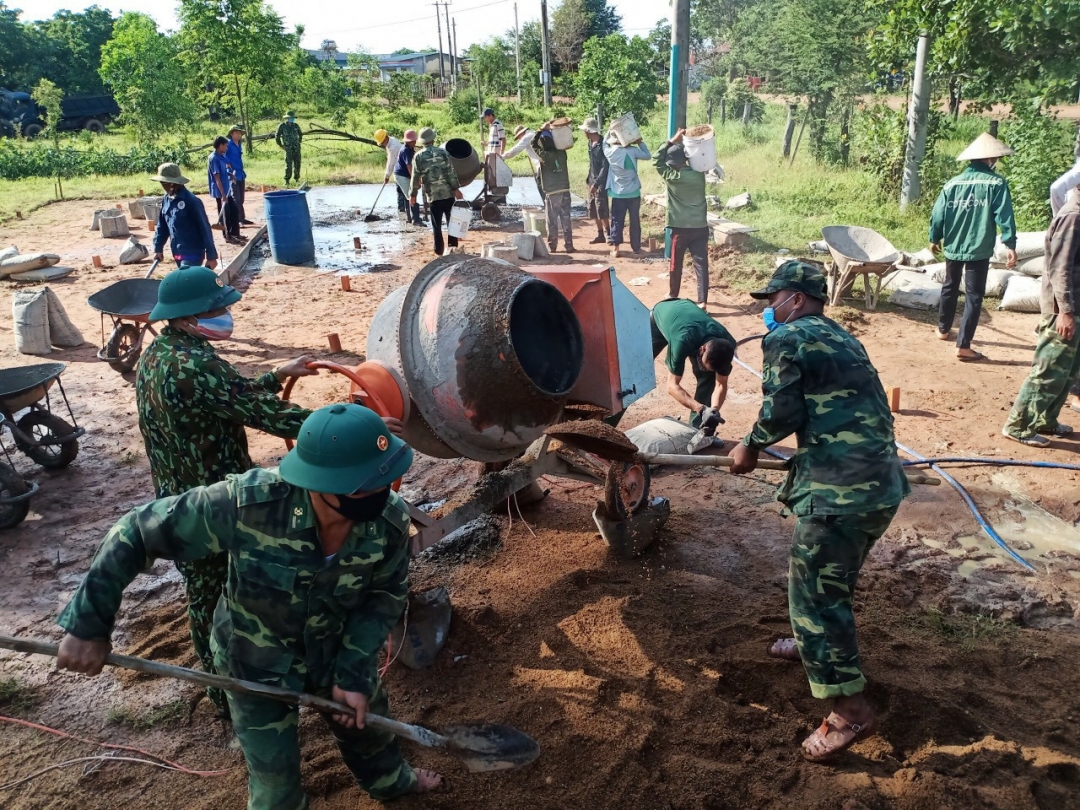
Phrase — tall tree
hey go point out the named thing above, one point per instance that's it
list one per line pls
(239, 50)
(74, 48)
(20, 51)
(615, 71)
(142, 67)
(660, 42)
(570, 27)
(493, 62)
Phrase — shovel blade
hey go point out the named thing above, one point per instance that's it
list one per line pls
(484, 747)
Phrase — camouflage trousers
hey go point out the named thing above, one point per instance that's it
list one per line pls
(292, 164)
(267, 730)
(204, 581)
(827, 552)
(1046, 389)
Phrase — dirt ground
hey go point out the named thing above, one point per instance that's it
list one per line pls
(645, 681)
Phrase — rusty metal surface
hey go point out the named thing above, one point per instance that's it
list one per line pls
(598, 438)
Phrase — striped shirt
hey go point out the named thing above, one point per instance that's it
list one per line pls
(496, 138)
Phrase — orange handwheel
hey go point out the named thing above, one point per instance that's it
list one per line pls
(373, 385)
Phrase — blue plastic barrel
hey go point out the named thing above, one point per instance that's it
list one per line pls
(288, 225)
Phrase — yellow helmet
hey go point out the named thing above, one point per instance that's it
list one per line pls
(380, 136)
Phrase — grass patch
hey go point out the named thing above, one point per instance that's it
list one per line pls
(16, 697)
(967, 629)
(141, 720)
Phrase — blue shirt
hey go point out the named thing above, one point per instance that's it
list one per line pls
(218, 164)
(183, 220)
(235, 155)
(404, 161)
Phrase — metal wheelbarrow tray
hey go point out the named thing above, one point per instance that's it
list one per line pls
(128, 303)
(45, 437)
(858, 251)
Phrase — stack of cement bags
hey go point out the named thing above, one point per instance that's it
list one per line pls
(1022, 291)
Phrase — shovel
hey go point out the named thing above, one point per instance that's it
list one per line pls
(371, 214)
(481, 746)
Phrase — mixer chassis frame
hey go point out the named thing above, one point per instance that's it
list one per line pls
(546, 456)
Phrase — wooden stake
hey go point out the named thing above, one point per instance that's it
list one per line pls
(96, 260)
(346, 283)
(18, 215)
(356, 242)
(334, 340)
(894, 399)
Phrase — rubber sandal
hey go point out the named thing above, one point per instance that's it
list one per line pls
(784, 649)
(1031, 441)
(822, 732)
(975, 358)
(1074, 406)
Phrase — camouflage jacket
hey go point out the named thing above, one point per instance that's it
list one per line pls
(289, 617)
(819, 384)
(289, 135)
(433, 169)
(193, 407)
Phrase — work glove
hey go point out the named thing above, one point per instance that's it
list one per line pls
(710, 421)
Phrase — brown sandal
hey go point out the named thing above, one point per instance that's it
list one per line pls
(835, 724)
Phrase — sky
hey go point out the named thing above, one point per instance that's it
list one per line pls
(376, 26)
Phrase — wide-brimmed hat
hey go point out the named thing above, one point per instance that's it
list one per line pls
(342, 449)
(410, 135)
(170, 173)
(591, 125)
(427, 135)
(290, 113)
(798, 277)
(613, 138)
(191, 291)
(519, 131)
(984, 147)
(235, 128)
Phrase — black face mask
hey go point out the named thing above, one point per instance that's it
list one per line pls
(361, 510)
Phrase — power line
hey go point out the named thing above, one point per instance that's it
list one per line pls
(402, 22)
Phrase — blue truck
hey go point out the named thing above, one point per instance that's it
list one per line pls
(19, 114)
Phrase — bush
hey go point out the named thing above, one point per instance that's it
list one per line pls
(462, 106)
(880, 139)
(739, 92)
(48, 161)
(1044, 149)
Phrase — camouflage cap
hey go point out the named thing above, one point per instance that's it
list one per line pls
(798, 277)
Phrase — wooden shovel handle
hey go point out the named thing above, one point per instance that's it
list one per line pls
(677, 460)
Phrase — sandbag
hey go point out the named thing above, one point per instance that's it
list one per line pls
(27, 261)
(30, 313)
(1033, 266)
(912, 290)
(936, 271)
(996, 279)
(1028, 244)
(1022, 294)
(920, 258)
(43, 274)
(62, 332)
(133, 252)
(8, 252)
(663, 435)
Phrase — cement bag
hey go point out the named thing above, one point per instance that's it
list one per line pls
(62, 332)
(663, 435)
(1022, 294)
(1028, 244)
(1031, 267)
(997, 281)
(30, 312)
(27, 261)
(935, 271)
(923, 257)
(133, 252)
(913, 290)
(8, 252)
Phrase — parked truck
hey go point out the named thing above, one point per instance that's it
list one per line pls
(20, 114)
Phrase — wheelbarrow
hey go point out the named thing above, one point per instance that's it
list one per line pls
(491, 194)
(128, 303)
(39, 433)
(857, 251)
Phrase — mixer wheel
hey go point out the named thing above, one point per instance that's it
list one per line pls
(626, 487)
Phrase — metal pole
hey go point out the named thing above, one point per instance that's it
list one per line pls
(918, 109)
(680, 55)
(517, 51)
(546, 56)
(479, 111)
(789, 128)
(449, 50)
(457, 64)
(438, 24)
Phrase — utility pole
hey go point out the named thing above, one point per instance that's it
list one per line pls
(680, 65)
(545, 73)
(457, 65)
(449, 50)
(918, 110)
(517, 51)
(438, 24)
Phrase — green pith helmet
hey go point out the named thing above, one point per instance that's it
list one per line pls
(290, 113)
(191, 291)
(343, 449)
(798, 277)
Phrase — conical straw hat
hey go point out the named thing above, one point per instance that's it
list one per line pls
(985, 146)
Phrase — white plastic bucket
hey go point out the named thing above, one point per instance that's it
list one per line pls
(626, 129)
(460, 217)
(563, 137)
(700, 148)
(526, 244)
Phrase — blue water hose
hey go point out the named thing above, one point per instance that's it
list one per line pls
(995, 462)
(986, 527)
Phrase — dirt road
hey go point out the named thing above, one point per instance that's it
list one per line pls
(645, 681)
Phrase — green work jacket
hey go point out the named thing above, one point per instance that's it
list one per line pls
(966, 212)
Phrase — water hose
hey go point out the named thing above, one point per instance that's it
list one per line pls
(986, 527)
(995, 462)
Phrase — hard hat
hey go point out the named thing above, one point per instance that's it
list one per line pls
(380, 136)
(191, 291)
(344, 449)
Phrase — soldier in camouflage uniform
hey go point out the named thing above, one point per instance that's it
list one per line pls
(433, 170)
(844, 487)
(288, 137)
(1057, 353)
(193, 408)
(318, 576)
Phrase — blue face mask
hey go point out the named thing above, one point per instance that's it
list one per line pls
(768, 315)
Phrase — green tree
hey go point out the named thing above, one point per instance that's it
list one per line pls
(50, 98)
(615, 72)
(21, 48)
(576, 21)
(142, 68)
(493, 62)
(660, 42)
(74, 42)
(238, 50)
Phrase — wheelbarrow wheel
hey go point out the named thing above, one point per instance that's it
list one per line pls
(47, 427)
(626, 488)
(121, 345)
(12, 485)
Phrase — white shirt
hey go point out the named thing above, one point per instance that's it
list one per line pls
(393, 148)
(524, 144)
(1061, 187)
